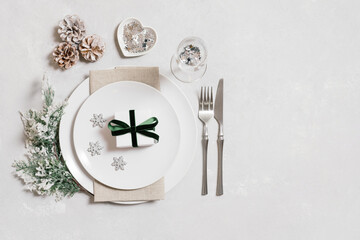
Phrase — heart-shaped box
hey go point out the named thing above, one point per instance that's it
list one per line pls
(124, 46)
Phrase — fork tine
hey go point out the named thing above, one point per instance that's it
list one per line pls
(201, 99)
(203, 92)
(207, 99)
(211, 100)
(204, 98)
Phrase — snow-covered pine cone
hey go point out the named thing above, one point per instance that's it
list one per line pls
(92, 48)
(66, 55)
(72, 29)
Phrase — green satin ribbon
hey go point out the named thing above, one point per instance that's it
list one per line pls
(118, 128)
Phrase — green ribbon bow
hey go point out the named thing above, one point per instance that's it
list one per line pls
(118, 128)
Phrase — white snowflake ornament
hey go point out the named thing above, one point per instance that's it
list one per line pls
(95, 148)
(98, 120)
(118, 163)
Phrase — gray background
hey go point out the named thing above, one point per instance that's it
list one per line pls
(292, 119)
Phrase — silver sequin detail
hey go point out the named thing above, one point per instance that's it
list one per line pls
(191, 55)
(95, 148)
(137, 39)
(98, 120)
(118, 163)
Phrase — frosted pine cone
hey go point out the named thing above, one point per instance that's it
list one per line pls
(92, 48)
(72, 29)
(65, 55)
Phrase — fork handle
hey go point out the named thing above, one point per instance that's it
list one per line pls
(219, 184)
(204, 188)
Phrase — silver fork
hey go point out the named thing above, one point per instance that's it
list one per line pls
(206, 112)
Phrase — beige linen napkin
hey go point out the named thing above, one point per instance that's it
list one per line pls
(100, 78)
(147, 75)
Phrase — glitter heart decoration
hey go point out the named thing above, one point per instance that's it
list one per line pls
(134, 39)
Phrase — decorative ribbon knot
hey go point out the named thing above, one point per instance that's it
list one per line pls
(118, 128)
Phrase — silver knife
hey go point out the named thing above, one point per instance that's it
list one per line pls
(220, 142)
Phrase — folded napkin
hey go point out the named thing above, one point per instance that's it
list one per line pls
(100, 78)
(147, 75)
(154, 191)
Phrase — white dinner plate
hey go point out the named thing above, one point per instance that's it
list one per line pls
(144, 165)
(188, 142)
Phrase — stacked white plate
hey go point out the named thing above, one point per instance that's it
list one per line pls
(170, 158)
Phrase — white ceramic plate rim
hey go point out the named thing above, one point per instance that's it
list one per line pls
(140, 170)
(187, 149)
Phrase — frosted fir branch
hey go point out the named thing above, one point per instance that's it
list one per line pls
(47, 93)
(43, 171)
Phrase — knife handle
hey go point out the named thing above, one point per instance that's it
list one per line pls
(219, 185)
(204, 188)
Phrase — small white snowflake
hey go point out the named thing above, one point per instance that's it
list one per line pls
(98, 120)
(118, 163)
(95, 148)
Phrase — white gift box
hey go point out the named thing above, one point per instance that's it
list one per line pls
(125, 141)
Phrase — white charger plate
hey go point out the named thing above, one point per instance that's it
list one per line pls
(144, 165)
(188, 142)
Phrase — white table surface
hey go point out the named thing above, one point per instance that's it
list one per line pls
(292, 119)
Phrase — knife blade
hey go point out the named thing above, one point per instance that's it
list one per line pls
(218, 114)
